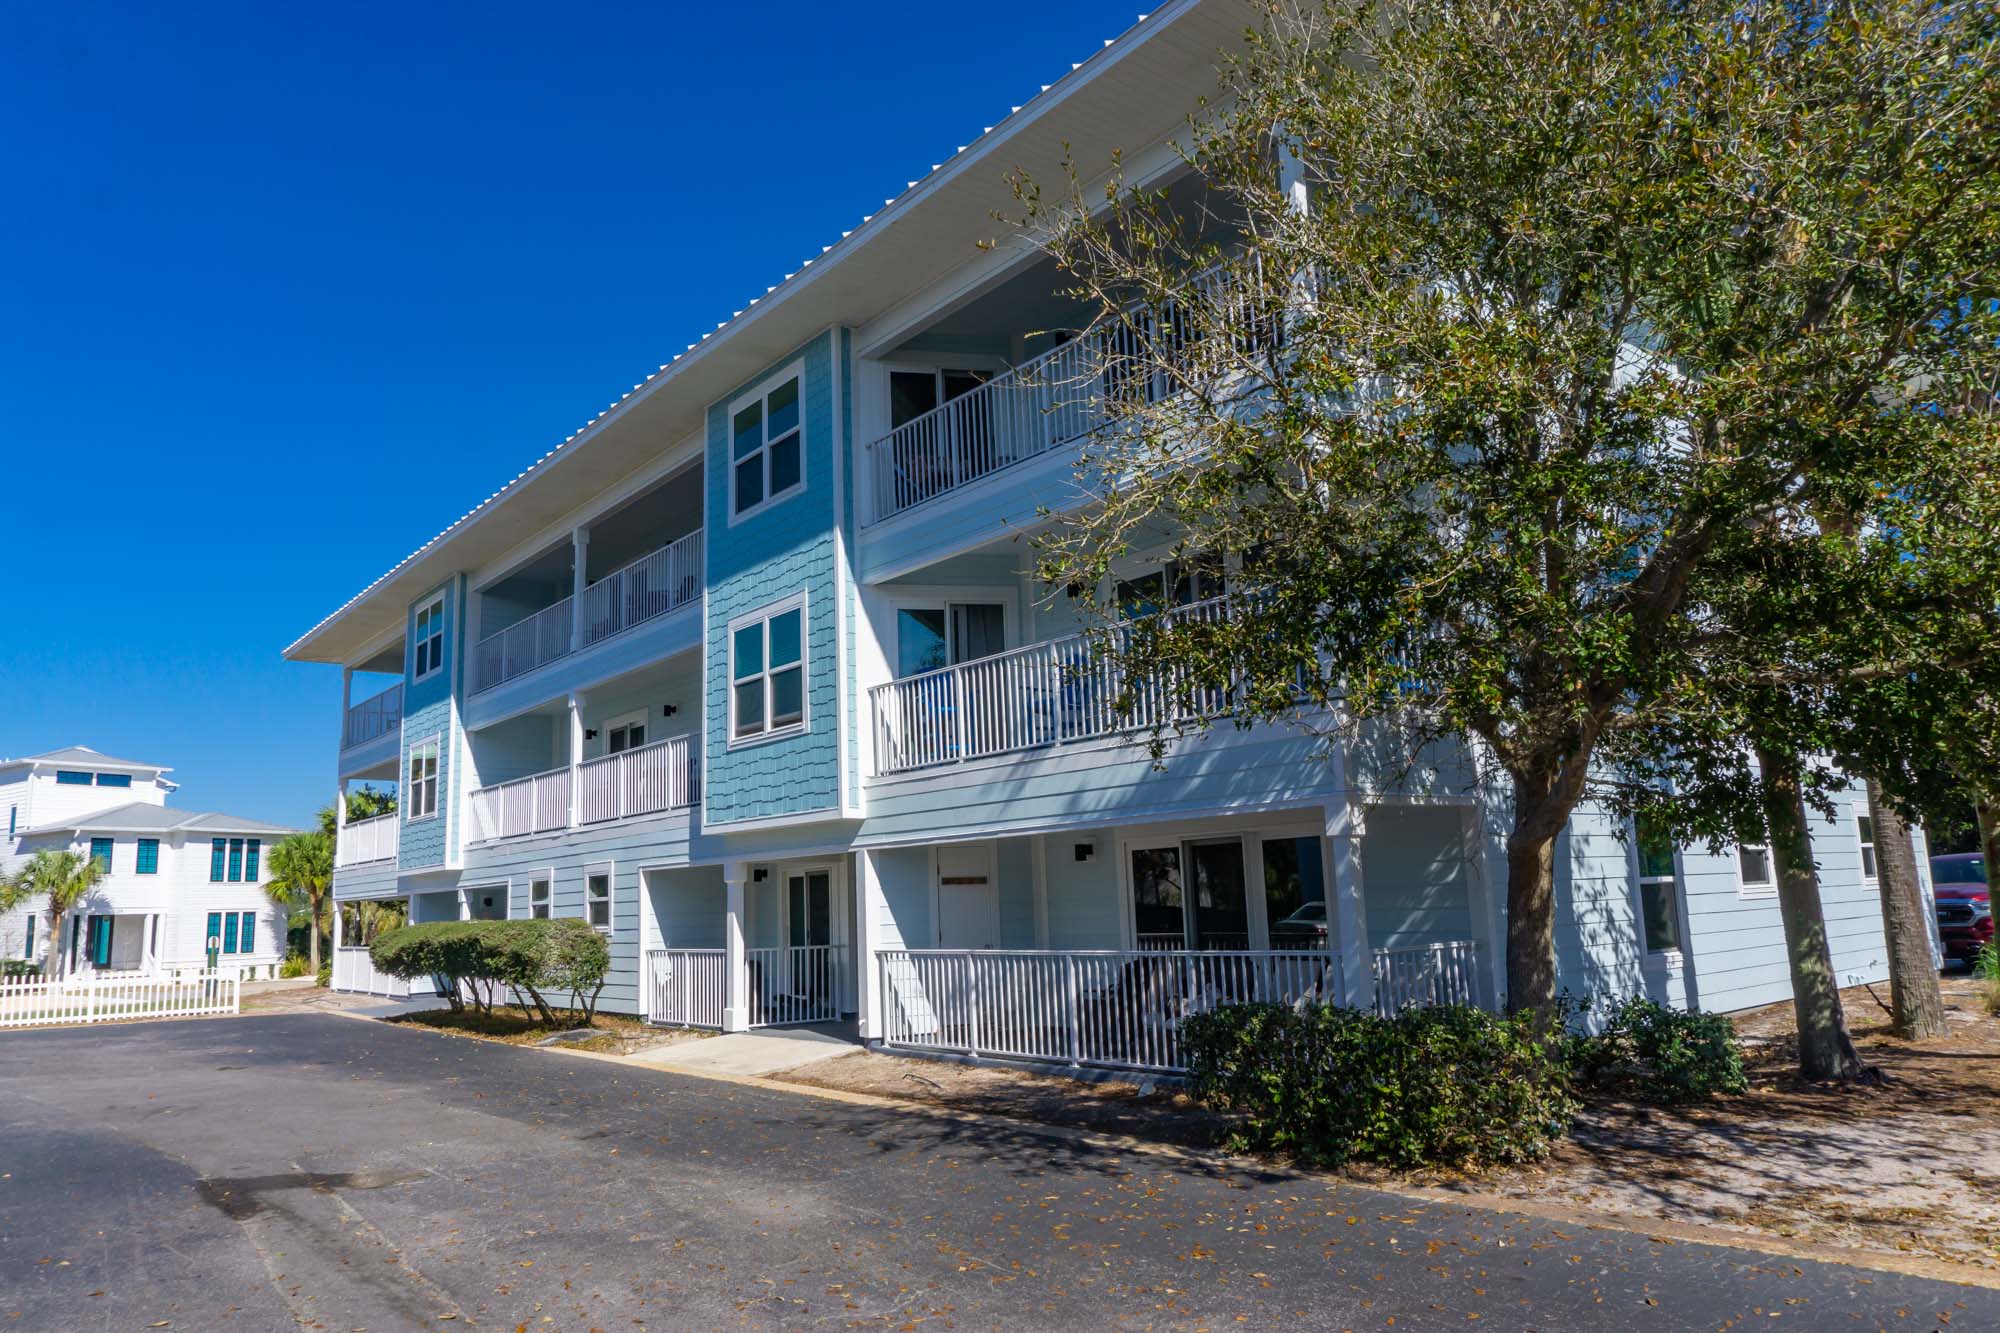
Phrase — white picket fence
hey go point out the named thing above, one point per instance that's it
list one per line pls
(43, 1002)
(687, 987)
(354, 970)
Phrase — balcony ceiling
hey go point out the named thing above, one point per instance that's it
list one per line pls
(1129, 95)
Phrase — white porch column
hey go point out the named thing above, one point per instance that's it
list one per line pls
(735, 963)
(868, 907)
(579, 539)
(1340, 854)
(1483, 904)
(575, 760)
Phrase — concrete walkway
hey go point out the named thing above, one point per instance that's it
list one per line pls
(759, 1051)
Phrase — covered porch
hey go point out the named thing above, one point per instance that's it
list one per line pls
(748, 944)
(1086, 949)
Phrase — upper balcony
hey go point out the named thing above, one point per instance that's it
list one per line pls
(602, 582)
(372, 718)
(371, 729)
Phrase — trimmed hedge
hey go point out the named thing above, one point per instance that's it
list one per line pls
(1669, 1056)
(476, 959)
(1450, 1085)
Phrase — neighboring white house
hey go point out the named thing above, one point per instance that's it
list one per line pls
(174, 880)
(752, 674)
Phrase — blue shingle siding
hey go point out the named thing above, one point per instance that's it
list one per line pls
(424, 842)
(428, 711)
(773, 554)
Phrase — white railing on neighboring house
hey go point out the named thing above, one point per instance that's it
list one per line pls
(1042, 694)
(1061, 396)
(795, 983)
(1113, 1008)
(373, 717)
(354, 970)
(523, 646)
(536, 804)
(102, 998)
(652, 585)
(660, 776)
(366, 840)
(1429, 974)
(687, 987)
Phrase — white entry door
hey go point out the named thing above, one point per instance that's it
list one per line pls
(968, 901)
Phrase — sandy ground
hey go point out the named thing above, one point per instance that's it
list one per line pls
(1912, 1165)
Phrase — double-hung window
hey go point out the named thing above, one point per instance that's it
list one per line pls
(1865, 826)
(767, 677)
(100, 852)
(1659, 888)
(597, 899)
(538, 898)
(250, 851)
(148, 862)
(218, 854)
(422, 800)
(236, 860)
(766, 447)
(428, 654)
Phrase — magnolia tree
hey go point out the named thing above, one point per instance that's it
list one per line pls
(1496, 352)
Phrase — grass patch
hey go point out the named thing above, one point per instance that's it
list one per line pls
(520, 1027)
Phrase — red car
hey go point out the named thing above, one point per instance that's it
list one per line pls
(1964, 912)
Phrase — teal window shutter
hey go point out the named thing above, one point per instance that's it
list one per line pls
(214, 929)
(246, 941)
(229, 933)
(217, 849)
(250, 850)
(236, 860)
(100, 852)
(149, 856)
(100, 941)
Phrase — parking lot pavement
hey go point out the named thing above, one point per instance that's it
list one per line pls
(308, 1168)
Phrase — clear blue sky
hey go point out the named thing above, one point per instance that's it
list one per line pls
(285, 289)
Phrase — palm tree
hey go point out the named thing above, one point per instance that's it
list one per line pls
(302, 876)
(66, 878)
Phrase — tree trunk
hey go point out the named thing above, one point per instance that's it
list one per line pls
(1825, 1049)
(58, 953)
(1989, 843)
(312, 933)
(1531, 905)
(1916, 1005)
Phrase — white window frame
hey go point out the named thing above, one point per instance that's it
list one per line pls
(432, 606)
(1674, 881)
(638, 717)
(407, 797)
(761, 395)
(1756, 888)
(546, 877)
(942, 599)
(608, 870)
(1867, 849)
(764, 615)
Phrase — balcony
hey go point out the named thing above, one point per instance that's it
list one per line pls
(367, 840)
(1061, 397)
(373, 718)
(649, 780)
(656, 583)
(1041, 695)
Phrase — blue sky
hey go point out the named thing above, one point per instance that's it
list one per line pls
(286, 289)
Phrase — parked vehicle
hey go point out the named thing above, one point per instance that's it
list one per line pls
(1303, 929)
(1964, 910)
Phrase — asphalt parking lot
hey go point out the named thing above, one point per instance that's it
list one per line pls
(310, 1169)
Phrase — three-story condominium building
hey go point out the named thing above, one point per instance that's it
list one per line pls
(180, 889)
(749, 674)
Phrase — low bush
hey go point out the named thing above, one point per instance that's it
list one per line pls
(479, 960)
(295, 965)
(326, 973)
(1444, 1086)
(1986, 970)
(1670, 1056)
(19, 967)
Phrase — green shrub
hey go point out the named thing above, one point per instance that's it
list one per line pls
(19, 967)
(1444, 1086)
(326, 973)
(295, 965)
(476, 960)
(1669, 1056)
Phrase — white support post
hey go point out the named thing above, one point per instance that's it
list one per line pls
(575, 760)
(868, 899)
(1485, 908)
(736, 1013)
(580, 547)
(1341, 861)
(1292, 174)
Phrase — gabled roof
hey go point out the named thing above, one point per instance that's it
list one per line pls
(83, 754)
(1135, 90)
(143, 817)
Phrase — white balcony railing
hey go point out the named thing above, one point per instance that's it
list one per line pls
(1430, 974)
(523, 646)
(650, 586)
(1061, 396)
(800, 983)
(1043, 694)
(373, 717)
(661, 776)
(367, 840)
(537, 804)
